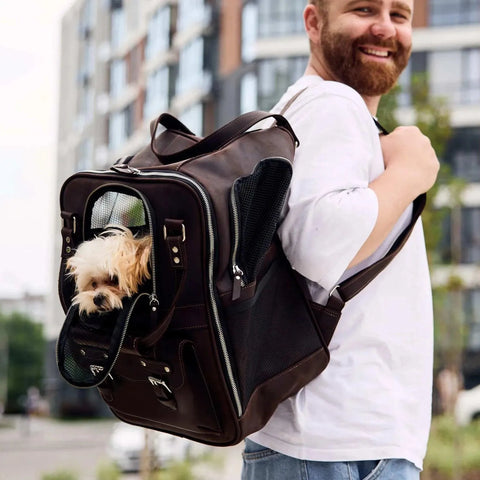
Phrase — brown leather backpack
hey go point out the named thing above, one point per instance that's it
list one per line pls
(225, 330)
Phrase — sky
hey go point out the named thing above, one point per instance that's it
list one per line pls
(29, 79)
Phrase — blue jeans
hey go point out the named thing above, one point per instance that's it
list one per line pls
(261, 463)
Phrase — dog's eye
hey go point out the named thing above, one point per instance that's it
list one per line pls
(94, 284)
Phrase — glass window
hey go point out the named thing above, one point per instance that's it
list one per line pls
(472, 311)
(470, 235)
(191, 12)
(453, 74)
(158, 36)
(275, 76)
(463, 153)
(84, 155)
(117, 27)
(454, 12)
(193, 118)
(190, 66)
(248, 93)
(118, 80)
(157, 93)
(249, 31)
(280, 17)
(120, 127)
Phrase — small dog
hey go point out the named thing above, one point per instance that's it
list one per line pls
(108, 268)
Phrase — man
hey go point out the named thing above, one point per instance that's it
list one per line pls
(367, 416)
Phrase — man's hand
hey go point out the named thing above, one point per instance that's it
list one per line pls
(410, 156)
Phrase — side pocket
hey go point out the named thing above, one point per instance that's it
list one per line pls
(256, 203)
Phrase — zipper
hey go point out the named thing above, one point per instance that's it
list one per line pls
(153, 302)
(211, 256)
(238, 274)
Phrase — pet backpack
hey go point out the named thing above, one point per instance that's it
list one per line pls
(225, 330)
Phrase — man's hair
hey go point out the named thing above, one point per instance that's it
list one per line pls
(320, 4)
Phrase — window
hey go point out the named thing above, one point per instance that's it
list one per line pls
(455, 74)
(84, 155)
(117, 27)
(280, 17)
(249, 31)
(191, 12)
(454, 12)
(248, 93)
(190, 67)
(472, 313)
(193, 118)
(470, 250)
(463, 153)
(274, 77)
(118, 77)
(159, 33)
(120, 127)
(157, 93)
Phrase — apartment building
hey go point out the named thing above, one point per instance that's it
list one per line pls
(125, 61)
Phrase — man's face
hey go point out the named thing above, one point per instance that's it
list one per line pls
(366, 44)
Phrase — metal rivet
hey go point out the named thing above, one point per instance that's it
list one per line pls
(176, 260)
(105, 355)
(68, 249)
(175, 249)
(142, 363)
(67, 239)
(167, 369)
(83, 352)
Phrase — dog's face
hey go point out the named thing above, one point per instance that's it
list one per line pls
(108, 268)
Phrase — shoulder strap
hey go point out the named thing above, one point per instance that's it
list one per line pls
(350, 287)
(353, 285)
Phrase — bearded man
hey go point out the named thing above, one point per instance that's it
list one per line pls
(367, 416)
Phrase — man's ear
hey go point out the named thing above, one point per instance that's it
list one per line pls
(313, 22)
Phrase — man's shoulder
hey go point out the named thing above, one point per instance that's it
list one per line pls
(314, 90)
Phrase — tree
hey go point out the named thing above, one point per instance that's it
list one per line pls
(432, 116)
(25, 360)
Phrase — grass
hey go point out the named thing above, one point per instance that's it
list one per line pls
(453, 452)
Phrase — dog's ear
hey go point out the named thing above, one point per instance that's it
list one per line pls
(144, 249)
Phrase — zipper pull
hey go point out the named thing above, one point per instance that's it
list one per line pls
(237, 282)
(154, 303)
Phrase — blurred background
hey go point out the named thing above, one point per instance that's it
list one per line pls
(81, 80)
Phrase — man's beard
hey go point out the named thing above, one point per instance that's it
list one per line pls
(351, 67)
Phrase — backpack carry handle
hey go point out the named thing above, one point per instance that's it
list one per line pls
(217, 139)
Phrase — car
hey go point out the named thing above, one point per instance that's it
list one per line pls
(126, 446)
(467, 406)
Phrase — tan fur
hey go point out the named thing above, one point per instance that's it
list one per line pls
(98, 263)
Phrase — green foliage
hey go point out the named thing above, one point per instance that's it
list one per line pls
(177, 471)
(25, 360)
(108, 471)
(60, 475)
(453, 451)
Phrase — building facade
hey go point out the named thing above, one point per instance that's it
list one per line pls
(123, 62)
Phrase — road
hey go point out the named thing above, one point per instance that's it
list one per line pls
(34, 447)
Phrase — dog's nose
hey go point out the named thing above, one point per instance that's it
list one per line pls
(99, 299)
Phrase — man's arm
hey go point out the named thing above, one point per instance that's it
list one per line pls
(411, 168)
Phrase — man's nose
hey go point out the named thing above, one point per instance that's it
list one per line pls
(383, 26)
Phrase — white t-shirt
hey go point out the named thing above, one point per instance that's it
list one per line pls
(373, 401)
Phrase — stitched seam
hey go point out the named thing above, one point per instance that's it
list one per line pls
(377, 471)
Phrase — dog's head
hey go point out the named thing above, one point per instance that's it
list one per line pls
(108, 268)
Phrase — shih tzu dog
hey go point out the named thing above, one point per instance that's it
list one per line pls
(108, 268)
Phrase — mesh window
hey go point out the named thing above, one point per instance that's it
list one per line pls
(259, 198)
(119, 209)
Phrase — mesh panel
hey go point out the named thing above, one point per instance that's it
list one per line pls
(88, 345)
(119, 209)
(275, 320)
(260, 197)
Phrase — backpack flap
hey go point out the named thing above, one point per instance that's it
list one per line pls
(88, 345)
